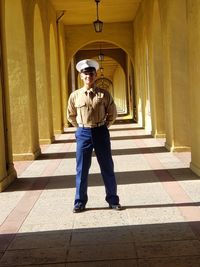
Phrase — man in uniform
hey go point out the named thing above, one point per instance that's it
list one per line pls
(92, 110)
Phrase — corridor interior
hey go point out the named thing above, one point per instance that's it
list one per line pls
(158, 226)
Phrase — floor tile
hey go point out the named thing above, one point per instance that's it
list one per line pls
(159, 225)
(36, 256)
(101, 252)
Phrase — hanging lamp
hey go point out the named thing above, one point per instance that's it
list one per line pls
(98, 25)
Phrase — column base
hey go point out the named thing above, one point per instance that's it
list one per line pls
(195, 168)
(6, 181)
(27, 156)
(66, 125)
(47, 141)
(158, 135)
(177, 148)
(58, 131)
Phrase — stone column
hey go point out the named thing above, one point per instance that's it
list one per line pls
(19, 82)
(63, 71)
(42, 73)
(194, 81)
(156, 73)
(175, 69)
(7, 171)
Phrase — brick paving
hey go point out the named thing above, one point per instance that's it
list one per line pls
(158, 227)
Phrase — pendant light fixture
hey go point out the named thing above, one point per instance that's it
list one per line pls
(98, 25)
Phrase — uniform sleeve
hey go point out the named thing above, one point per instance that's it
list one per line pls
(111, 111)
(71, 111)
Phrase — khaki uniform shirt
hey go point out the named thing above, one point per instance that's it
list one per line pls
(90, 107)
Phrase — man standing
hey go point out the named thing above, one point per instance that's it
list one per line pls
(92, 110)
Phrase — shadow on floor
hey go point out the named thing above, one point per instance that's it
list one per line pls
(115, 152)
(129, 137)
(167, 244)
(95, 179)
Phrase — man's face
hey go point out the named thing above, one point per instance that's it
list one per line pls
(88, 77)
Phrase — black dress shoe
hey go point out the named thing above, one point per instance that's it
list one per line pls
(115, 206)
(78, 208)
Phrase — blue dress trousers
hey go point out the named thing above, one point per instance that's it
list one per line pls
(87, 139)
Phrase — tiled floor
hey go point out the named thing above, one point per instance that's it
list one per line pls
(158, 227)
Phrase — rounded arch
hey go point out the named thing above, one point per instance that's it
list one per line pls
(110, 49)
(85, 44)
(113, 56)
(120, 34)
(113, 68)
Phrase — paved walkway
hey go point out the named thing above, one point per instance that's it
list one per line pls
(158, 227)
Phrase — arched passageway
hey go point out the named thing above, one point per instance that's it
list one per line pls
(152, 77)
(113, 67)
(159, 41)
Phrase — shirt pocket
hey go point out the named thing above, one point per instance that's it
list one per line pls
(81, 108)
(80, 104)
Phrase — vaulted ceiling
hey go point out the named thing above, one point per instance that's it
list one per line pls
(79, 12)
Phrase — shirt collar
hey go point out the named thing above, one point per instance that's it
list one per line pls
(92, 89)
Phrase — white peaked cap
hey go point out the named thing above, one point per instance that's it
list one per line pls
(87, 63)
